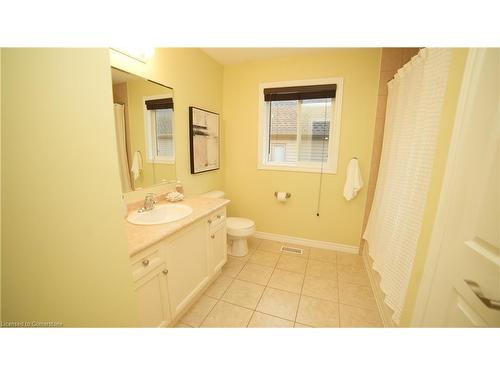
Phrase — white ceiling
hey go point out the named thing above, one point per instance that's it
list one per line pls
(228, 56)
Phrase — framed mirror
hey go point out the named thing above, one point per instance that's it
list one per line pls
(144, 124)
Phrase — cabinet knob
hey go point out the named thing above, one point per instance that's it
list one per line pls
(212, 236)
(145, 262)
(209, 221)
(165, 272)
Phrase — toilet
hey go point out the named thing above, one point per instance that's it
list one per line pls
(238, 229)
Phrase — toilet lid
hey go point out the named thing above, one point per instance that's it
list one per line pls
(239, 223)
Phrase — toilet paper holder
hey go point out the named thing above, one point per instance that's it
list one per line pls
(288, 195)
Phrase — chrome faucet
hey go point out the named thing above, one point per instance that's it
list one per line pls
(149, 202)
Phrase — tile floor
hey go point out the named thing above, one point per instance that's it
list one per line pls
(267, 288)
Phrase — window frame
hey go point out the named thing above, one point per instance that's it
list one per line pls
(331, 165)
(151, 150)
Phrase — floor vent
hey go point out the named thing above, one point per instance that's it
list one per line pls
(292, 250)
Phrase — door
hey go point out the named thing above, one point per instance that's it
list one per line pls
(187, 257)
(462, 277)
(218, 248)
(152, 298)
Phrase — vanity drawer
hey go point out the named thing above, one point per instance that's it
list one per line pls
(146, 264)
(217, 218)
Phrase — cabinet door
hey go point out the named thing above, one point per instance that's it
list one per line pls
(218, 248)
(151, 292)
(187, 257)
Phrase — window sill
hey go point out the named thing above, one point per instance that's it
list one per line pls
(157, 161)
(289, 168)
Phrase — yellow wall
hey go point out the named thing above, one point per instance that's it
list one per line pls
(152, 173)
(197, 81)
(64, 248)
(447, 123)
(251, 190)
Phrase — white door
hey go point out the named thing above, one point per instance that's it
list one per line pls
(461, 282)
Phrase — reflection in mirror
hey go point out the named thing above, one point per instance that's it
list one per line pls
(144, 112)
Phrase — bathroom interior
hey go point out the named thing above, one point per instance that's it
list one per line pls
(181, 196)
(217, 189)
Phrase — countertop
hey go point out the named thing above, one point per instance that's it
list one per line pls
(142, 236)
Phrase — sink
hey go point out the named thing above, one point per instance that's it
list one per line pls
(162, 214)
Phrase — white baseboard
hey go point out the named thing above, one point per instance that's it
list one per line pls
(306, 242)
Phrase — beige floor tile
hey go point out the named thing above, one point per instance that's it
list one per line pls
(182, 325)
(305, 251)
(323, 255)
(264, 258)
(351, 316)
(318, 312)
(286, 280)
(321, 288)
(194, 317)
(255, 273)
(272, 246)
(321, 269)
(243, 258)
(357, 295)
(260, 320)
(253, 243)
(292, 263)
(227, 315)
(298, 325)
(243, 293)
(349, 259)
(352, 275)
(279, 303)
(232, 267)
(219, 286)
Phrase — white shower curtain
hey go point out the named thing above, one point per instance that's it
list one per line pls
(412, 121)
(119, 110)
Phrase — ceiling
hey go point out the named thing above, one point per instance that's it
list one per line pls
(228, 56)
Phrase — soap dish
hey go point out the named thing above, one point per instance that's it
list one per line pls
(174, 196)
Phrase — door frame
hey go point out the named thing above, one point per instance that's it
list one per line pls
(470, 80)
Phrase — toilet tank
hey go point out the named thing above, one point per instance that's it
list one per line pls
(213, 194)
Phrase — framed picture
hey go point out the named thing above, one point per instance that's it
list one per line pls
(204, 140)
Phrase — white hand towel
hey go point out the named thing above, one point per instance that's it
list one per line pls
(136, 165)
(354, 181)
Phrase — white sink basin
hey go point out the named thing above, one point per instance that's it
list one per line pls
(163, 214)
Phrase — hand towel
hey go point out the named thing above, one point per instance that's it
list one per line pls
(136, 165)
(354, 181)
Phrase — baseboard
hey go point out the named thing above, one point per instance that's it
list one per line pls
(306, 242)
(384, 310)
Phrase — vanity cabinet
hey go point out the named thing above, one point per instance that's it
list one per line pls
(217, 243)
(187, 258)
(172, 273)
(150, 276)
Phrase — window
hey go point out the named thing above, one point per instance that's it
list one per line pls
(159, 129)
(300, 125)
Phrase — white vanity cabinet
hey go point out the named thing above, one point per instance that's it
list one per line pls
(171, 274)
(217, 243)
(187, 259)
(151, 290)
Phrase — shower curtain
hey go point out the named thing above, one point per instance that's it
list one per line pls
(414, 107)
(119, 110)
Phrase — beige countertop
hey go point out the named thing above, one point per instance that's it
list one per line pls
(142, 236)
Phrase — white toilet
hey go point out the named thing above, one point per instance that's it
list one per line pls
(238, 229)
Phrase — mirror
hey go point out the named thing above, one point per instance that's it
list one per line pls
(144, 114)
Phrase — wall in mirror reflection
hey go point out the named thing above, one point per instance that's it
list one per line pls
(145, 136)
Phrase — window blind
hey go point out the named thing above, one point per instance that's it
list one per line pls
(164, 103)
(300, 92)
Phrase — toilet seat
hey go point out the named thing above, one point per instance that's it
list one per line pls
(240, 227)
